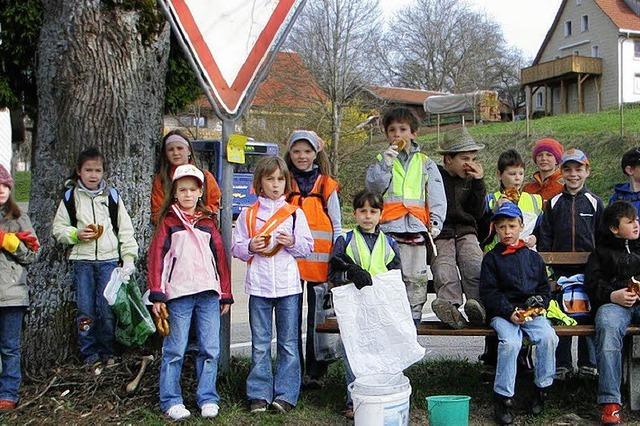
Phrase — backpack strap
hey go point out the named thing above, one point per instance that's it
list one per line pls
(70, 203)
(114, 197)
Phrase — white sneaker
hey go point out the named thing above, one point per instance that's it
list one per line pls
(209, 410)
(178, 412)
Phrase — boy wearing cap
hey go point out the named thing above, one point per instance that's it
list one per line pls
(547, 181)
(514, 283)
(629, 191)
(569, 223)
(456, 268)
(415, 204)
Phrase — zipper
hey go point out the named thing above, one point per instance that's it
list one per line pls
(93, 212)
(573, 220)
(173, 265)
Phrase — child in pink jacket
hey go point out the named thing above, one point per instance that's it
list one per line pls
(269, 236)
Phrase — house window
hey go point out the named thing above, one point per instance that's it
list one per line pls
(578, 2)
(636, 84)
(198, 122)
(539, 100)
(556, 95)
(567, 28)
(595, 51)
(636, 49)
(584, 23)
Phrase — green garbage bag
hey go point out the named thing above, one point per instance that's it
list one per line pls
(133, 321)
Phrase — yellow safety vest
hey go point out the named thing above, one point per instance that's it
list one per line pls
(375, 261)
(406, 192)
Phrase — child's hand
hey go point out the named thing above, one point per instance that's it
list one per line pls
(389, 155)
(158, 309)
(531, 241)
(258, 244)
(515, 318)
(224, 309)
(285, 239)
(474, 170)
(86, 234)
(624, 297)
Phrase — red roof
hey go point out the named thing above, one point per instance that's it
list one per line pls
(401, 94)
(617, 10)
(621, 15)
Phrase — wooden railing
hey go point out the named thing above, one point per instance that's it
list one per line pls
(559, 67)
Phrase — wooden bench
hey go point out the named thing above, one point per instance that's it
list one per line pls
(631, 355)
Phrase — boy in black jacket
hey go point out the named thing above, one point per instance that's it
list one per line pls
(514, 278)
(569, 223)
(610, 270)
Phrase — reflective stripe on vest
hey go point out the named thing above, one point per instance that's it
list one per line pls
(406, 192)
(375, 261)
(270, 225)
(315, 267)
(528, 203)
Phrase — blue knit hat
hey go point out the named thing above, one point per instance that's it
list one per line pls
(507, 209)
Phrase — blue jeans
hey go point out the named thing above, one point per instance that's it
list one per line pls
(611, 324)
(95, 320)
(10, 331)
(261, 383)
(204, 307)
(541, 334)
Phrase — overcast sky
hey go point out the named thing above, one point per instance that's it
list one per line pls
(524, 22)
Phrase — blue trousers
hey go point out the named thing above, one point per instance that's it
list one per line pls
(10, 331)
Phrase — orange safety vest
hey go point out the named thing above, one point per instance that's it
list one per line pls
(315, 267)
(406, 192)
(270, 225)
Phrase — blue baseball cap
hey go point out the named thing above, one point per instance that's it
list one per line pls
(507, 209)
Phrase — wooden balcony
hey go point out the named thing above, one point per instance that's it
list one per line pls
(559, 69)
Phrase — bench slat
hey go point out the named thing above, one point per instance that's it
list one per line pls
(436, 328)
(565, 257)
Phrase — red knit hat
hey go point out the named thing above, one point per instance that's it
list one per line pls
(550, 145)
(5, 177)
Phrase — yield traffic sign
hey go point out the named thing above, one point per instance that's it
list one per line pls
(231, 41)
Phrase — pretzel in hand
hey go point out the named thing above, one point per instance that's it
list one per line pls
(97, 230)
(634, 286)
(400, 144)
(529, 314)
(162, 321)
(512, 195)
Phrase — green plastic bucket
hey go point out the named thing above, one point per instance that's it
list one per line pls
(448, 410)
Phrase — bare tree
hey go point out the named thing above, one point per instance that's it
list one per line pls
(442, 45)
(335, 39)
(507, 77)
(101, 82)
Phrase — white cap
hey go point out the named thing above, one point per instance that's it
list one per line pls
(188, 170)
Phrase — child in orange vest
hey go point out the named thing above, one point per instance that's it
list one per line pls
(270, 236)
(316, 193)
(178, 151)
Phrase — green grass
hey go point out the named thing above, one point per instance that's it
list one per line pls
(22, 187)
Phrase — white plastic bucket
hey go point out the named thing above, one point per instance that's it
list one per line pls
(381, 400)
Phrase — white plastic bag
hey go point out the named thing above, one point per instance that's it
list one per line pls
(376, 326)
(118, 276)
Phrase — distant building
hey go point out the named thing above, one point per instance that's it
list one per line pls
(382, 97)
(589, 59)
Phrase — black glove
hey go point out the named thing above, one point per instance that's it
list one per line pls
(341, 262)
(359, 276)
(535, 302)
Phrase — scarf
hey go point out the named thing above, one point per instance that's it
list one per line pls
(512, 248)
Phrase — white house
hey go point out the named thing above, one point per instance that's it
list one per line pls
(589, 59)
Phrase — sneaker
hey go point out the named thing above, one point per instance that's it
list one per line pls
(610, 414)
(7, 405)
(95, 368)
(177, 412)
(586, 371)
(348, 412)
(562, 373)
(282, 406)
(447, 313)
(258, 406)
(209, 410)
(475, 312)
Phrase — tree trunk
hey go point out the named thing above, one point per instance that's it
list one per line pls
(336, 123)
(101, 82)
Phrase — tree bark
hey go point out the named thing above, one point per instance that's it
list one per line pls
(101, 82)
(336, 125)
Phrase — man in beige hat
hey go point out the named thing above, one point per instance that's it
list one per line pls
(457, 244)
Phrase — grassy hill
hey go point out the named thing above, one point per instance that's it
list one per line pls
(596, 134)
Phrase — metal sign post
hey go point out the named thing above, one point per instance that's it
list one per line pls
(230, 98)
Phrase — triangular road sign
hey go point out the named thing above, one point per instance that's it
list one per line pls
(230, 41)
